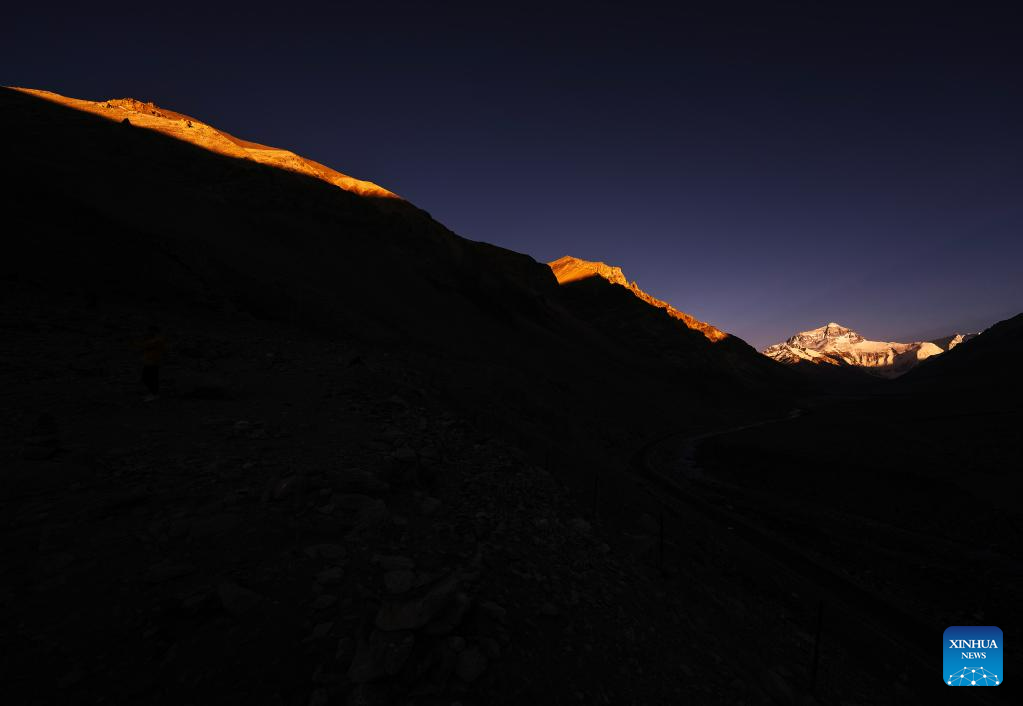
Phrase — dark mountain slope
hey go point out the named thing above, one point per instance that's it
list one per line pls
(654, 331)
(387, 464)
(986, 365)
(118, 213)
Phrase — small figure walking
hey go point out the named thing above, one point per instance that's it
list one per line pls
(153, 346)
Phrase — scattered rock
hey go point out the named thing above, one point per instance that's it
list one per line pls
(357, 481)
(471, 664)
(42, 440)
(321, 630)
(649, 524)
(202, 386)
(393, 563)
(494, 611)
(404, 454)
(449, 618)
(330, 576)
(284, 488)
(323, 601)
(159, 573)
(53, 564)
(399, 581)
(220, 524)
(777, 687)
(491, 647)
(370, 694)
(549, 610)
(580, 525)
(325, 551)
(415, 613)
(429, 505)
(345, 649)
(71, 678)
(384, 653)
(236, 600)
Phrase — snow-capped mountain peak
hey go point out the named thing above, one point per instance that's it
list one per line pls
(834, 344)
(830, 334)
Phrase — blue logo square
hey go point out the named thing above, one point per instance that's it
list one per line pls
(972, 656)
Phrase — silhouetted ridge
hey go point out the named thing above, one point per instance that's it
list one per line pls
(570, 269)
(187, 129)
(154, 218)
(985, 365)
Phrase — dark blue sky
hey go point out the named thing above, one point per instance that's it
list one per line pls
(768, 170)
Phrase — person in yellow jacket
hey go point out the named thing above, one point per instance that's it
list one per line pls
(153, 347)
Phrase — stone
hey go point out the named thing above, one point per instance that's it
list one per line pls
(491, 647)
(549, 610)
(43, 439)
(218, 525)
(393, 563)
(451, 616)
(203, 386)
(54, 564)
(471, 664)
(357, 481)
(404, 454)
(494, 611)
(284, 488)
(322, 602)
(399, 581)
(325, 551)
(383, 654)
(236, 600)
(415, 613)
(330, 576)
(580, 525)
(429, 505)
(321, 630)
(649, 524)
(369, 516)
(167, 571)
(345, 649)
(351, 502)
(370, 694)
(777, 687)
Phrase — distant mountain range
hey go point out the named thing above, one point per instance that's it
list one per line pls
(837, 345)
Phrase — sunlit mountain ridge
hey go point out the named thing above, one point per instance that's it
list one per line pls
(571, 269)
(136, 113)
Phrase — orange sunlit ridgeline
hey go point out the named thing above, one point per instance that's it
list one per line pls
(571, 269)
(187, 129)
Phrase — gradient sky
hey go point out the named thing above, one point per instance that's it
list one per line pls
(768, 170)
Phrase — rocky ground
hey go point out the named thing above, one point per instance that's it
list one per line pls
(299, 520)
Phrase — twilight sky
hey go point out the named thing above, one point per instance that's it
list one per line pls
(768, 170)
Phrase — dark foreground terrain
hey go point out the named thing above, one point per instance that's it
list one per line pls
(392, 466)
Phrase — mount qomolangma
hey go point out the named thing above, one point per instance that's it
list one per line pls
(837, 345)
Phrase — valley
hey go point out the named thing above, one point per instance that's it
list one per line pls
(387, 464)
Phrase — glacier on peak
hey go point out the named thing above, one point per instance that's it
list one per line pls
(838, 345)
